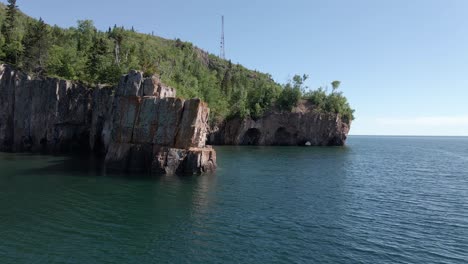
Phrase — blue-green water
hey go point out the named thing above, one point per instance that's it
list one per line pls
(378, 200)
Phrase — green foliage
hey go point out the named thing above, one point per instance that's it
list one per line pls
(96, 59)
(11, 38)
(289, 97)
(337, 103)
(335, 85)
(87, 54)
(9, 25)
(334, 102)
(62, 61)
(298, 82)
(292, 92)
(36, 47)
(318, 98)
(84, 34)
(2, 44)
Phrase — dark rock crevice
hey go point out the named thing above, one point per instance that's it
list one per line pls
(251, 137)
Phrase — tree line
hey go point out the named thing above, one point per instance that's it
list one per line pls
(87, 54)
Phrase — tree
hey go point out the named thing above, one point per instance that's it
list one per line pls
(9, 26)
(85, 53)
(11, 44)
(145, 60)
(2, 45)
(318, 98)
(334, 102)
(95, 59)
(289, 97)
(36, 47)
(85, 34)
(298, 82)
(335, 85)
(117, 35)
(226, 82)
(337, 103)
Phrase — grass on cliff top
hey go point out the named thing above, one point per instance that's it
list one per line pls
(87, 54)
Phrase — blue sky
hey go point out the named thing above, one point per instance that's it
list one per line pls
(403, 64)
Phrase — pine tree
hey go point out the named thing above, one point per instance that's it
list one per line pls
(95, 60)
(10, 20)
(36, 46)
(226, 82)
(12, 45)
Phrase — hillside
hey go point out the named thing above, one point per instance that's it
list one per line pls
(86, 54)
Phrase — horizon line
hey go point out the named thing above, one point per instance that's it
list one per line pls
(412, 135)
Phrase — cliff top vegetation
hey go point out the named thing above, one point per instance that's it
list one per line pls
(84, 53)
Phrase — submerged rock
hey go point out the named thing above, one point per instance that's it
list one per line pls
(138, 125)
(192, 161)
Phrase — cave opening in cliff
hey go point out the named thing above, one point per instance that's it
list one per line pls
(251, 137)
(282, 137)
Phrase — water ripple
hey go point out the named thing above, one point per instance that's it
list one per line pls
(379, 200)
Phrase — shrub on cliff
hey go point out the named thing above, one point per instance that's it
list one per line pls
(337, 103)
(289, 97)
(334, 102)
(292, 92)
(317, 97)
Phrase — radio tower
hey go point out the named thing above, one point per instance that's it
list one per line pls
(222, 54)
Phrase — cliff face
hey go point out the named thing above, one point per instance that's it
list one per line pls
(302, 126)
(138, 125)
(42, 115)
(155, 132)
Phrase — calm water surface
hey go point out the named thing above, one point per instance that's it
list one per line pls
(378, 200)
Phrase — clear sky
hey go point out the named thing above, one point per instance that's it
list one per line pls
(403, 64)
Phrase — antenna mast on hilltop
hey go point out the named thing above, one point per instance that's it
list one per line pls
(222, 54)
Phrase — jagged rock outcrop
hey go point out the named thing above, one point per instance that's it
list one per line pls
(301, 127)
(163, 134)
(138, 125)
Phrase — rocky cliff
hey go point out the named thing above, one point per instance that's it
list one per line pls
(302, 126)
(138, 125)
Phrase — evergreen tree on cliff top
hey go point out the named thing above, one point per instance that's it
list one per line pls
(95, 59)
(36, 47)
(11, 47)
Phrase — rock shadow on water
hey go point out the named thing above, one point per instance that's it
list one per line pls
(81, 165)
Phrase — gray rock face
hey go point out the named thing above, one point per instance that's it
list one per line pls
(283, 128)
(140, 128)
(164, 135)
(42, 115)
(7, 104)
(101, 125)
(154, 87)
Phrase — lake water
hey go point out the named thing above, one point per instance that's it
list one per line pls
(378, 200)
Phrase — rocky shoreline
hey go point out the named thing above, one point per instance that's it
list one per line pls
(302, 127)
(138, 126)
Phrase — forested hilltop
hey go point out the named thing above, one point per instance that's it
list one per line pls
(84, 53)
